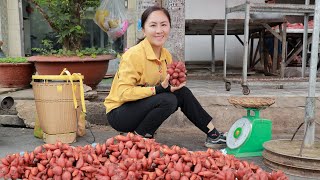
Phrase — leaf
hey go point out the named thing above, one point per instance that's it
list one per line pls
(78, 27)
(13, 60)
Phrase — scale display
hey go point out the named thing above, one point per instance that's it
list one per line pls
(238, 133)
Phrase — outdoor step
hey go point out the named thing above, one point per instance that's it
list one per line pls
(286, 114)
(11, 120)
(96, 113)
(11, 111)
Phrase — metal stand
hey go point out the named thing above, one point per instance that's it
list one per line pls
(253, 8)
(308, 140)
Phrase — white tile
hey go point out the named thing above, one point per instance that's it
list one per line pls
(12, 4)
(13, 17)
(14, 35)
(13, 13)
(14, 43)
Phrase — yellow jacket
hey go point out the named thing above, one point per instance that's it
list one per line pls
(138, 74)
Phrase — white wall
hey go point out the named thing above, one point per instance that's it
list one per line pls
(198, 48)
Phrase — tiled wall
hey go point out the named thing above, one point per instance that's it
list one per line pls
(14, 28)
(4, 25)
(176, 41)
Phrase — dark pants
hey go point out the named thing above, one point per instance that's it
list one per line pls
(146, 115)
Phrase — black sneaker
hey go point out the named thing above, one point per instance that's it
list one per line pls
(223, 135)
(217, 143)
(148, 136)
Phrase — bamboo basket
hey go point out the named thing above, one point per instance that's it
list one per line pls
(57, 98)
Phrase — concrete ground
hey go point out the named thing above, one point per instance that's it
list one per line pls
(211, 94)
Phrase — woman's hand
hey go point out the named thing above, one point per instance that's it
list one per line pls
(165, 84)
(174, 88)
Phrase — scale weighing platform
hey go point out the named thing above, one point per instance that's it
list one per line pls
(247, 135)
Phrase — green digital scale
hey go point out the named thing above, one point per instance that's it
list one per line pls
(247, 135)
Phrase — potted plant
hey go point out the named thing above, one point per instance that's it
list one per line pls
(15, 72)
(65, 17)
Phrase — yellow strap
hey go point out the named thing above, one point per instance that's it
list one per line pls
(63, 71)
(73, 89)
(78, 75)
(51, 77)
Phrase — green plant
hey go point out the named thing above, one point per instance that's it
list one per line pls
(65, 17)
(13, 60)
(48, 50)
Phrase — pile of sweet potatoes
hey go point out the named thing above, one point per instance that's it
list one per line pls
(128, 157)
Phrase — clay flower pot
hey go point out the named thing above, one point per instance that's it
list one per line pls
(93, 69)
(15, 75)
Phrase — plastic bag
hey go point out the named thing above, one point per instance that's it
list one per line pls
(113, 18)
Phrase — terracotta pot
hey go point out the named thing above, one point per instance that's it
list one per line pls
(15, 75)
(93, 69)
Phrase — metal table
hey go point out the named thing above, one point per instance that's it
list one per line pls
(214, 27)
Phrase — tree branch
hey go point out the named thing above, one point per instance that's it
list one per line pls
(44, 14)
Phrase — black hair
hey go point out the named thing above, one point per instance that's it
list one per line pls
(147, 13)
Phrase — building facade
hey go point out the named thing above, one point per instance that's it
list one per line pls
(22, 28)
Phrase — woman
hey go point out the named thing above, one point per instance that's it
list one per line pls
(141, 98)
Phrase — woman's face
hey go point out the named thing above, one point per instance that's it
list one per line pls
(156, 29)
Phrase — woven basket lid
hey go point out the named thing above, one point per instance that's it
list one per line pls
(251, 102)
